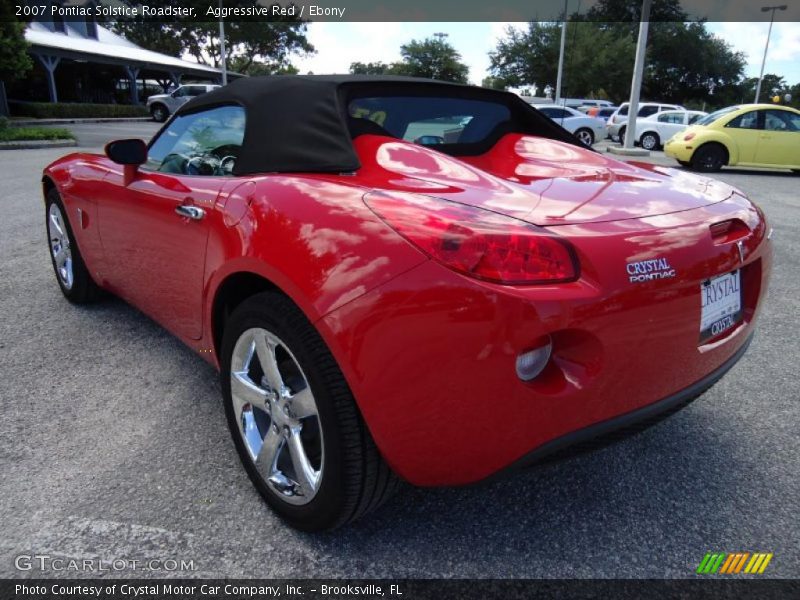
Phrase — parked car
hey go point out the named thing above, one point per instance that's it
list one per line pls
(379, 309)
(601, 112)
(161, 106)
(653, 131)
(578, 103)
(616, 123)
(586, 129)
(752, 135)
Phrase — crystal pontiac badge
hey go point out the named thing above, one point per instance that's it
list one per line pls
(647, 270)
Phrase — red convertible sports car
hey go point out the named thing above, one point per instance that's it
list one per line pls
(405, 279)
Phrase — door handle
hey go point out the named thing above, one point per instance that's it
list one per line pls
(190, 212)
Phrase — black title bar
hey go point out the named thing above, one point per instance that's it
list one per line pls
(400, 589)
(391, 10)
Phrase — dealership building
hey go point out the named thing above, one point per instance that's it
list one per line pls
(79, 60)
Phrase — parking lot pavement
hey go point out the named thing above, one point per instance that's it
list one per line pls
(113, 444)
(96, 135)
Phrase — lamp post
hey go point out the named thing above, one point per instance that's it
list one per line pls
(222, 58)
(561, 53)
(638, 74)
(766, 46)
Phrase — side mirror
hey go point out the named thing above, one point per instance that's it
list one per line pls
(127, 152)
(130, 153)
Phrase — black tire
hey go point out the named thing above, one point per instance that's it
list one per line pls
(354, 478)
(159, 112)
(81, 288)
(650, 140)
(684, 163)
(585, 135)
(621, 135)
(709, 158)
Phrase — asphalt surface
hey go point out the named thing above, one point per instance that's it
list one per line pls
(95, 135)
(113, 445)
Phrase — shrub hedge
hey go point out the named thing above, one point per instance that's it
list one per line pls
(64, 110)
(17, 134)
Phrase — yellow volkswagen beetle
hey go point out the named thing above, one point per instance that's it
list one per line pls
(751, 135)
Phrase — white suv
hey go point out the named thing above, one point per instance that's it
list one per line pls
(161, 106)
(615, 126)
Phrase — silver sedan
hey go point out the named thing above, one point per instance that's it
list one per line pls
(586, 129)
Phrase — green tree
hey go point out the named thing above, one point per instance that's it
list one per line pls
(771, 85)
(14, 59)
(371, 68)
(598, 59)
(527, 57)
(795, 92)
(684, 62)
(432, 58)
(494, 83)
(158, 37)
(254, 46)
(629, 13)
(240, 64)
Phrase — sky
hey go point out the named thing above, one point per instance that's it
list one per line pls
(339, 44)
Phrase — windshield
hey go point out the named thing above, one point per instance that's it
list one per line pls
(708, 119)
(432, 121)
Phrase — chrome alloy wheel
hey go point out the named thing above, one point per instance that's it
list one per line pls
(277, 416)
(585, 136)
(160, 113)
(649, 141)
(59, 245)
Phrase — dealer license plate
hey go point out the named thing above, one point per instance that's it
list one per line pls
(721, 304)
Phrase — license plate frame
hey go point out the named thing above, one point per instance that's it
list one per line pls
(721, 306)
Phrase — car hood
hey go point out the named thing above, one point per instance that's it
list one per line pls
(542, 181)
(157, 97)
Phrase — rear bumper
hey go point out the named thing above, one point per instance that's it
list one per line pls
(613, 129)
(616, 428)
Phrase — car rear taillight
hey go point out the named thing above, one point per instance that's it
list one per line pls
(688, 137)
(477, 242)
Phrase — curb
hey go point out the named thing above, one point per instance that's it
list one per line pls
(37, 144)
(654, 158)
(30, 122)
(622, 151)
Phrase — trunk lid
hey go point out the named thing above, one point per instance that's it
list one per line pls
(538, 180)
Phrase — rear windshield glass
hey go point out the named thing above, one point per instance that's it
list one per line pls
(432, 121)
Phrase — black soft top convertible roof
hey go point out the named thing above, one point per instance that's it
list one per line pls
(299, 123)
